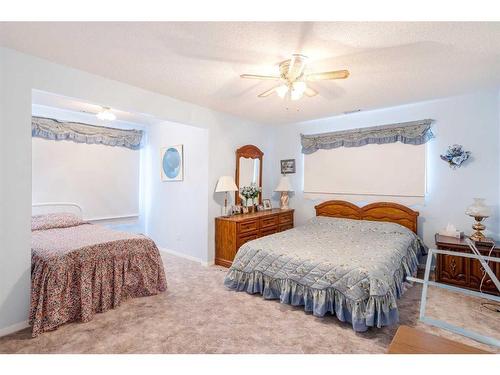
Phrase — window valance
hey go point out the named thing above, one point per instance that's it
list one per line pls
(84, 133)
(414, 132)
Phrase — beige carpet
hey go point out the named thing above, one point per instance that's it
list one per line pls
(198, 315)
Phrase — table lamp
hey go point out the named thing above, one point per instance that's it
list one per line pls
(479, 211)
(284, 187)
(225, 185)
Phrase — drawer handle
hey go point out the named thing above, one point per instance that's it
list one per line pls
(453, 265)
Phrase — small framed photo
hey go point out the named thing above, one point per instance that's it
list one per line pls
(267, 204)
(260, 207)
(236, 210)
(244, 209)
(288, 166)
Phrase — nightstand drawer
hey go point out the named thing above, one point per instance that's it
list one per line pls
(286, 218)
(269, 222)
(244, 239)
(248, 226)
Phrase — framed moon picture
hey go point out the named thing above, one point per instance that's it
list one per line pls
(172, 163)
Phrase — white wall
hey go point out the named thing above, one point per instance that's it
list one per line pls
(19, 74)
(177, 211)
(470, 120)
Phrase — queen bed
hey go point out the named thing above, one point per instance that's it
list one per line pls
(348, 261)
(79, 269)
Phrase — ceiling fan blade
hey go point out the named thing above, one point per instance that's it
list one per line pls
(268, 92)
(337, 74)
(310, 92)
(256, 76)
(296, 66)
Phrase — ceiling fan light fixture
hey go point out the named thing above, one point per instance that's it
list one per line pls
(294, 78)
(282, 91)
(106, 114)
(297, 90)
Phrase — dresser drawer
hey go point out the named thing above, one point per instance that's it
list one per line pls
(248, 226)
(286, 218)
(286, 227)
(268, 231)
(244, 239)
(267, 222)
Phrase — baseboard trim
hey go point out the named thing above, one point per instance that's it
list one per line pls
(14, 328)
(188, 257)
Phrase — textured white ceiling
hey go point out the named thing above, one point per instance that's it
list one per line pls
(44, 99)
(200, 62)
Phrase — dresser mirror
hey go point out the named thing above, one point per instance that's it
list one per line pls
(248, 169)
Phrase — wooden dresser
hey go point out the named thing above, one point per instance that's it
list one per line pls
(464, 272)
(232, 232)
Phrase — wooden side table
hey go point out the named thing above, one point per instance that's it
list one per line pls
(464, 272)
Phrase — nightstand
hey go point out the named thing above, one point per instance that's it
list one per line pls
(464, 272)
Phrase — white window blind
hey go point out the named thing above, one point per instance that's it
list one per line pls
(393, 169)
(104, 180)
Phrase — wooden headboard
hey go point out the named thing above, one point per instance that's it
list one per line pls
(379, 211)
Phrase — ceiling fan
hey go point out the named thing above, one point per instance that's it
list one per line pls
(293, 79)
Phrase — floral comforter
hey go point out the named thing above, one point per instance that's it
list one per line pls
(354, 269)
(79, 269)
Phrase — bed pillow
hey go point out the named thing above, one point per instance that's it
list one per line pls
(56, 220)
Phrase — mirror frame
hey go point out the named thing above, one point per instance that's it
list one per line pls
(247, 151)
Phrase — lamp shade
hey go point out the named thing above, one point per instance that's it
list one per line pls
(478, 208)
(284, 184)
(225, 184)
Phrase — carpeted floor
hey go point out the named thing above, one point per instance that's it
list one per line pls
(198, 315)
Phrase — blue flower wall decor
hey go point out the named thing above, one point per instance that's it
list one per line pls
(455, 156)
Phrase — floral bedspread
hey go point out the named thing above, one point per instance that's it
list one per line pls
(79, 269)
(354, 269)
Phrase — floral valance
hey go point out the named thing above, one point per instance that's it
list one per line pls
(84, 133)
(414, 133)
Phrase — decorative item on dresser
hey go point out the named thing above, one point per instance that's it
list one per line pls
(224, 185)
(465, 272)
(232, 232)
(284, 187)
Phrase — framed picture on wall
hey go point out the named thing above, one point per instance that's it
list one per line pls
(288, 166)
(172, 163)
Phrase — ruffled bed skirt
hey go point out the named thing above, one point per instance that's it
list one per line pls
(376, 311)
(77, 285)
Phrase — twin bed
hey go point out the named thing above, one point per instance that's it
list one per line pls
(79, 269)
(349, 261)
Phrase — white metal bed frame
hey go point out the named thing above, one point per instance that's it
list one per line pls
(426, 283)
(57, 204)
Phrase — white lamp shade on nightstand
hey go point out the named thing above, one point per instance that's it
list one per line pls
(225, 184)
(284, 184)
(478, 208)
